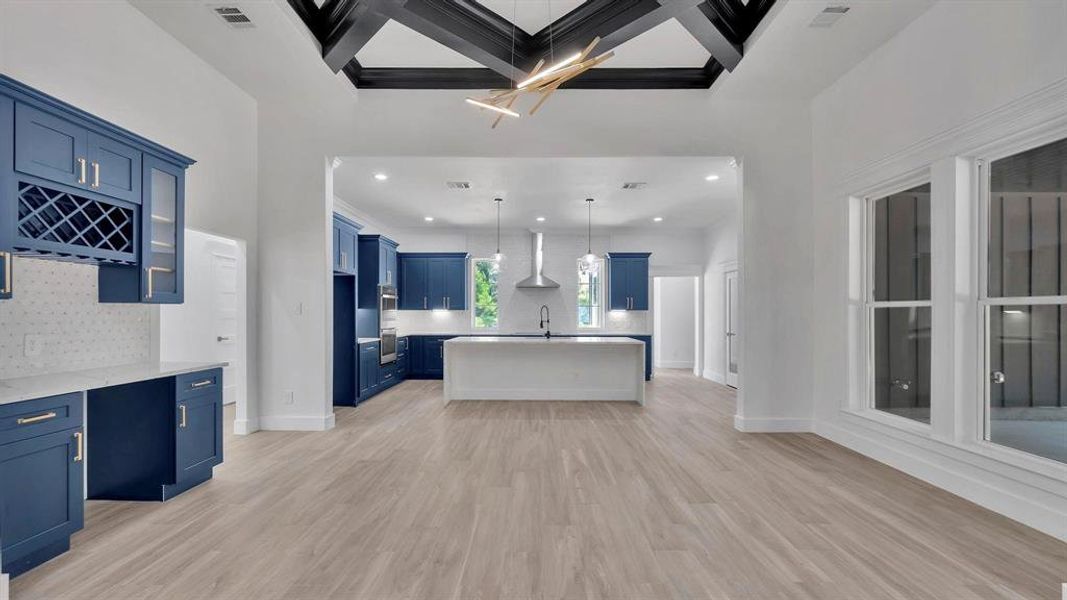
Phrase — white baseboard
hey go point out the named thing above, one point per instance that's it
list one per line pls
(715, 376)
(4, 593)
(751, 425)
(674, 364)
(245, 426)
(980, 485)
(296, 423)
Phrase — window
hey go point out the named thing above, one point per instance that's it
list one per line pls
(898, 303)
(486, 312)
(590, 294)
(1025, 301)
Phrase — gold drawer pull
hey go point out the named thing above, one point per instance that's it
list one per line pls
(182, 408)
(7, 273)
(39, 418)
(78, 438)
(200, 384)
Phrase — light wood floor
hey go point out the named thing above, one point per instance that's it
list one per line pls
(407, 499)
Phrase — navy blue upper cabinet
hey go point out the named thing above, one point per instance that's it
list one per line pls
(628, 280)
(76, 187)
(433, 280)
(377, 265)
(51, 147)
(345, 246)
(114, 168)
(414, 282)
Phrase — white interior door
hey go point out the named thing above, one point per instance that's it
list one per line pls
(732, 331)
(209, 325)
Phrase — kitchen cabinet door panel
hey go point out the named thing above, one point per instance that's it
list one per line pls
(50, 147)
(114, 168)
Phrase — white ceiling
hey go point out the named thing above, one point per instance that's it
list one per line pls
(531, 15)
(555, 188)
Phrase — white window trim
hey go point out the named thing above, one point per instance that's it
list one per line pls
(601, 311)
(474, 299)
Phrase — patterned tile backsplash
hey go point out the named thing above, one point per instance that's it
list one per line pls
(56, 303)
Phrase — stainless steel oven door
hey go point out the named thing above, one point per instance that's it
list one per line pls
(388, 346)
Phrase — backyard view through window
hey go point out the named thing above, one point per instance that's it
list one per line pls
(486, 309)
(590, 292)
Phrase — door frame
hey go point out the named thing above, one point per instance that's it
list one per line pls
(697, 272)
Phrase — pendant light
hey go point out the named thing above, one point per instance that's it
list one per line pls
(590, 263)
(498, 258)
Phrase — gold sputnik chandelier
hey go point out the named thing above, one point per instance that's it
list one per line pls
(540, 80)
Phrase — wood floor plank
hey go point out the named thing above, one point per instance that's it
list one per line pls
(406, 498)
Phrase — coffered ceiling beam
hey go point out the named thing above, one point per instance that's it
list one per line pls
(408, 78)
(346, 27)
(466, 27)
(700, 23)
(614, 21)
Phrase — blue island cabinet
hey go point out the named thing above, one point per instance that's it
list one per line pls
(433, 281)
(41, 453)
(628, 280)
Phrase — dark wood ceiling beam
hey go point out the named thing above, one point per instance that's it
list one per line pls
(406, 78)
(614, 21)
(466, 27)
(700, 23)
(347, 25)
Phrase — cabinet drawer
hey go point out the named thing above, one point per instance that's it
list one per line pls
(388, 373)
(24, 420)
(202, 382)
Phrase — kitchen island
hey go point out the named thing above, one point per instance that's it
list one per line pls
(557, 368)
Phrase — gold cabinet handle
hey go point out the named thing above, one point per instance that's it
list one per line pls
(151, 271)
(200, 384)
(96, 174)
(79, 441)
(81, 170)
(181, 407)
(7, 273)
(48, 416)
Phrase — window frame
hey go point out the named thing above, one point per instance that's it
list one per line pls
(980, 435)
(474, 297)
(870, 305)
(600, 312)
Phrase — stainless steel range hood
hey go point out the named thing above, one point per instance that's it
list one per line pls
(538, 280)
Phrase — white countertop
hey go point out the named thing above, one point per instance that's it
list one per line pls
(570, 341)
(368, 340)
(39, 386)
(528, 333)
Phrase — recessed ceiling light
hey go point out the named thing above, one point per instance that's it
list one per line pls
(540, 219)
(657, 219)
(712, 177)
(428, 219)
(381, 176)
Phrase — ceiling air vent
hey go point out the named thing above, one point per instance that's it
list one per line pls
(458, 185)
(828, 16)
(233, 17)
(634, 185)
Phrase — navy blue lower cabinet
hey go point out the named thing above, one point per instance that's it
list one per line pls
(369, 366)
(41, 496)
(153, 440)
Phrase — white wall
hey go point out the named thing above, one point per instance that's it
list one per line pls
(674, 322)
(963, 75)
(721, 256)
(93, 55)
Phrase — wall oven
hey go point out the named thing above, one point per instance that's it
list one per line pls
(388, 316)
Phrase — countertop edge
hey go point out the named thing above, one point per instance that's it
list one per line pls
(21, 389)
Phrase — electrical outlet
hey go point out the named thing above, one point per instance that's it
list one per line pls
(33, 345)
(287, 397)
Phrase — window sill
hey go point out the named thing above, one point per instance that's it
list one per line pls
(975, 452)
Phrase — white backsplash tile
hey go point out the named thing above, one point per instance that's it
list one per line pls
(57, 301)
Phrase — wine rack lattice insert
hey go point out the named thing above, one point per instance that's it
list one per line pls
(53, 216)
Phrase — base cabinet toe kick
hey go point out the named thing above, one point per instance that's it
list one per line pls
(147, 440)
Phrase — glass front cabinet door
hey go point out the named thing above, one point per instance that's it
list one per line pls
(162, 228)
(158, 277)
